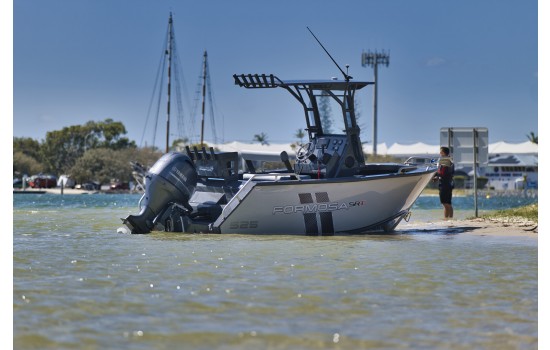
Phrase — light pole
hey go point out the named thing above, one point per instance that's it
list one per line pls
(374, 59)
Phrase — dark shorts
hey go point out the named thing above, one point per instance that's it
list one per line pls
(445, 195)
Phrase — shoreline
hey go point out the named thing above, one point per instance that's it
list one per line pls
(69, 191)
(493, 226)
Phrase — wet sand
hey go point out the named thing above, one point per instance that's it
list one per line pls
(506, 226)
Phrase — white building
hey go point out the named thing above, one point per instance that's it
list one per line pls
(512, 171)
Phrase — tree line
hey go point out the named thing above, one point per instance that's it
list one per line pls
(95, 151)
(99, 151)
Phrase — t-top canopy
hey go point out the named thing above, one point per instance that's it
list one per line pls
(254, 81)
(307, 92)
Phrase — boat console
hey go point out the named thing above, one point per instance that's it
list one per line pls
(322, 155)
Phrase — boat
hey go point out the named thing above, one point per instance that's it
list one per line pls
(328, 188)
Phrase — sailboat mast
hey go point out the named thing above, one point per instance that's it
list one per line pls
(169, 52)
(203, 96)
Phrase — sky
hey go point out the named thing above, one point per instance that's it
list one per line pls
(471, 63)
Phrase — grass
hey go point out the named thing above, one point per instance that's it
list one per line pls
(528, 212)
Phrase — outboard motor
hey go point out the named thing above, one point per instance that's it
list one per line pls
(172, 179)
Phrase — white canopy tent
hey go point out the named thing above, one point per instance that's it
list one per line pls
(415, 149)
(237, 146)
(426, 150)
(396, 150)
(381, 149)
(503, 147)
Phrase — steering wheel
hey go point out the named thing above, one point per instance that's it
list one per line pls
(303, 152)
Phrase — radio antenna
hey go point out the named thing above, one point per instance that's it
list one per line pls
(346, 76)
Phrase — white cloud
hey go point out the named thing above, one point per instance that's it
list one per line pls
(435, 61)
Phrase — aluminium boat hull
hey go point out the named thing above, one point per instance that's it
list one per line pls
(322, 207)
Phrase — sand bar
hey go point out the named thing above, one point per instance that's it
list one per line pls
(505, 226)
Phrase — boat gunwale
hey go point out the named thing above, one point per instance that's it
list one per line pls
(354, 178)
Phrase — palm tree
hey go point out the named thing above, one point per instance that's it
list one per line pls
(300, 135)
(325, 111)
(533, 138)
(261, 138)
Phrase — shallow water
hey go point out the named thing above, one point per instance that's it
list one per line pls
(79, 284)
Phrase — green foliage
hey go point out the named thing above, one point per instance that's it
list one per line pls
(325, 112)
(109, 135)
(145, 156)
(300, 134)
(199, 146)
(102, 165)
(261, 138)
(95, 151)
(26, 156)
(62, 148)
(25, 164)
(179, 143)
(529, 212)
(27, 146)
(533, 138)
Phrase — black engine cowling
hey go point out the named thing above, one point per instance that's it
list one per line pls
(172, 179)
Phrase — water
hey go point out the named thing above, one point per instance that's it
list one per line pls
(79, 284)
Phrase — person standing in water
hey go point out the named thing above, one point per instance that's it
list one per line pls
(445, 175)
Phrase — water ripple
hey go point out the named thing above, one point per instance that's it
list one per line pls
(79, 284)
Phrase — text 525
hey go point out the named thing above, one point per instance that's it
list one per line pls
(243, 225)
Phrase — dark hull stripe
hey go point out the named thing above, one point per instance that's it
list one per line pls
(310, 219)
(327, 226)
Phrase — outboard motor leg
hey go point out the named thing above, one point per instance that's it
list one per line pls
(172, 179)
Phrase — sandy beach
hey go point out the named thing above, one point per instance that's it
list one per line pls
(506, 227)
